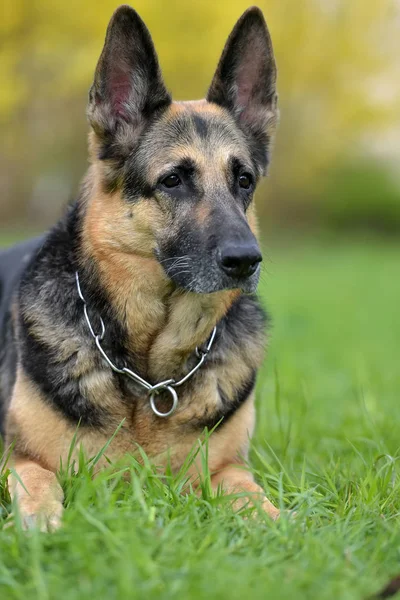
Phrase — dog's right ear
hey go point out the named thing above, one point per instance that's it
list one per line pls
(128, 85)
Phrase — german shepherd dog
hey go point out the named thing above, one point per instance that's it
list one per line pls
(138, 308)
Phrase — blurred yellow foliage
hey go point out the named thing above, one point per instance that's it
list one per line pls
(339, 79)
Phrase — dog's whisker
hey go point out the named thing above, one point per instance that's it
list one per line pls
(174, 272)
(177, 265)
(175, 258)
(180, 259)
(191, 283)
(181, 273)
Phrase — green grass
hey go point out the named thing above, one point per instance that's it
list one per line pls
(327, 443)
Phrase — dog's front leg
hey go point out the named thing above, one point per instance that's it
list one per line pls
(37, 494)
(235, 479)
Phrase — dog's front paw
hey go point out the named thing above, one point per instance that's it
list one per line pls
(271, 510)
(44, 518)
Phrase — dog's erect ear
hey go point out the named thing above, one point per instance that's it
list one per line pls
(128, 85)
(245, 79)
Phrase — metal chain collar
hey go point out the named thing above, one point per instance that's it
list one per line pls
(152, 390)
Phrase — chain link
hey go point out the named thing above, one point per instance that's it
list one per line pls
(168, 385)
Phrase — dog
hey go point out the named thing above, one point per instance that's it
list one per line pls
(137, 311)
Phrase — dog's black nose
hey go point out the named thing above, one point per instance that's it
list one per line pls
(239, 260)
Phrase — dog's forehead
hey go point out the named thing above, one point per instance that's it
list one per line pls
(196, 129)
(200, 121)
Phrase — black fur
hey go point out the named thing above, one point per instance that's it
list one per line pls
(230, 405)
(201, 126)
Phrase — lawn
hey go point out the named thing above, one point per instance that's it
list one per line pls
(327, 444)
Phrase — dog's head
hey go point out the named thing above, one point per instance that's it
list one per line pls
(177, 178)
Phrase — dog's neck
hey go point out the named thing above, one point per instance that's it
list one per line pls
(163, 324)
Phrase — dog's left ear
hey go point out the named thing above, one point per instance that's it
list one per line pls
(245, 79)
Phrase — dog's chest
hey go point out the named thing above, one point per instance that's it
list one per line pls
(168, 438)
(191, 405)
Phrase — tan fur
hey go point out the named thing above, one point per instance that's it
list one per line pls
(38, 493)
(200, 106)
(235, 479)
(41, 433)
(202, 212)
(44, 438)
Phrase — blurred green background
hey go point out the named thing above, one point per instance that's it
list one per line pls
(327, 438)
(336, 160)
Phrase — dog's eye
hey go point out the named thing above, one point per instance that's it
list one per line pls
(245, 181)
(171, 181)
